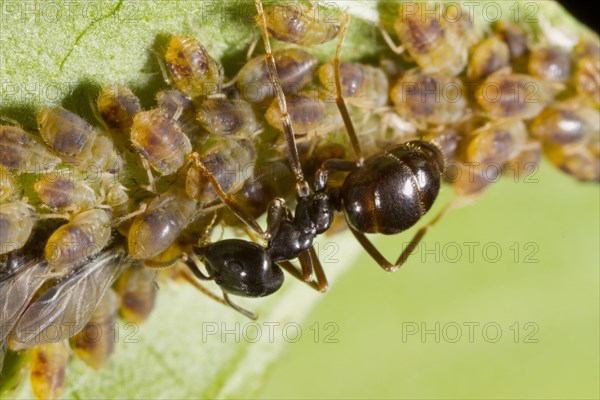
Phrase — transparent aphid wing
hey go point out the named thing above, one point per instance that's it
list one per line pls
(64, 309)
(16, 292)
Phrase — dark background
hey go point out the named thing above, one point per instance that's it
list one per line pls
(583, 11)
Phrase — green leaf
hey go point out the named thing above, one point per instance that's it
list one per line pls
(62, 53)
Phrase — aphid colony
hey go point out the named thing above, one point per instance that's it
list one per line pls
(90, 211)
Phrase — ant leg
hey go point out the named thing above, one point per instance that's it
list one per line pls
(225, 198)
(414, 242)
(302, 188)
(331, 165)
(239, 309)
(307, 262)
(225, 300)
(339, 100)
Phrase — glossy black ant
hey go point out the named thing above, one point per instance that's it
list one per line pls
(244, 268)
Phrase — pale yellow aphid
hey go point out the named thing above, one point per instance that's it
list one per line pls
(17, 219)
(95, 343)
(118, 105)
(83, 236)
(63, 193)
(48, 370)
(137, 290)
(487, 57)
(76, 141)
(160, 224)
(24, 152)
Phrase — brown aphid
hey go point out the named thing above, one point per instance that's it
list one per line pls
(430, 40)
(160, 140)
(48, 369)
(224, 116)
(117, 105)
(429, 98)
(178, 107)
(469, 180)
(576, 159)
(587, 68)
(487, 57)
(95, 343)
(194, 71)
(514, 36)
(20, 150)
(363, 86)
(299, 24)
(76, 141)
(8, 185)
(569, 121)
(160, 224)
(65, 193)
(17, 219)
(495, 142)
(526, 162)
(83, 236)
(551, 64)
(230, 161)
(137, 290)
(518, 96)
(310, 115)
(295, 67)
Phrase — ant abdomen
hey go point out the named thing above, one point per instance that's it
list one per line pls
(253, 275)
(393, 189)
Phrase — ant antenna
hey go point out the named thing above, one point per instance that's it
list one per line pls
(302, 188)
(339, 100)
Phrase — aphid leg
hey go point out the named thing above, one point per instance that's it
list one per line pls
(225, 198)
(414, 242)
(340, 97)
(252, 47)
(163, 69)
(302, 188)
(96, 113)
(11, 121)
(396, 48)
(132, 214)
(150, 187)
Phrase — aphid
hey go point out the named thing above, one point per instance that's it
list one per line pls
(66, 307)
(86, 234)
(581, 160)
(178, 107)
(507, 95)
(223, 116)
(363, 86)
(551, 64)
(495, 142)
(514, 36)
(191, 67)
(487, 57)
(429, 39)
(429, 98)
(76, 141)
(17, 219)
(160, 224)
(299, 24)
(567, 121)
(231, 161)
(525, 162)
(295, 67)
(65, 193)
(48, 370)
(22, 151)
(160, 141)
(17, 288)
(136, 288)
(310, 115)
(8, 186)
(118, 105)
(95, 343)
(587, 68)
